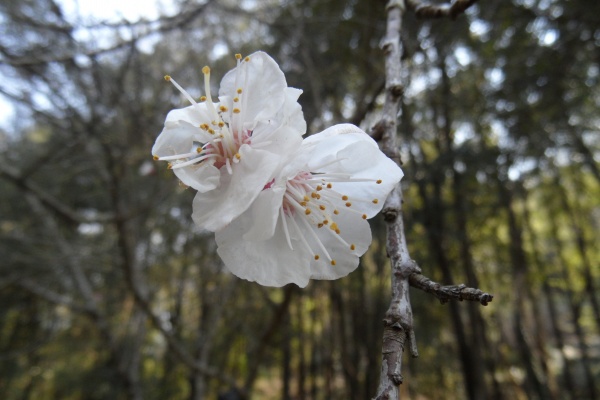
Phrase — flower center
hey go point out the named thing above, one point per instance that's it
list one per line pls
(311, 201)
(225, 126)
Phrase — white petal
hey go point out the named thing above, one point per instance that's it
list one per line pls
(362, 161)
(347, 149)
(181, 131)
(262, 84)
(174, 139)
(272, 262)
(355, 231)
(342, 135)
(269, 262)
(216, 208)
(202, 177)
(283, 141)
(194, 115)
(264, 213)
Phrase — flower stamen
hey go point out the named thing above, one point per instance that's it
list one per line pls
(285, 228)
(182, 90)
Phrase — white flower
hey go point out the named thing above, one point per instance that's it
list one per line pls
(229, 150)
(311, 220)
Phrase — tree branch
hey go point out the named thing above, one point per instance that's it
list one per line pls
(452, 292)
(53, 297)
(135, 284)
(423, 9)
(398, 321)
(65, 213)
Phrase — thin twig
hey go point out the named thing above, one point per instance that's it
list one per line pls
(452, 292)
(58, 207)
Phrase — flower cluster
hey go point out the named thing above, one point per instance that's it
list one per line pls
(284, 209)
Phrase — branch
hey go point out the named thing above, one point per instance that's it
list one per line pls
(277, 318)
(398, 321)
(65, 213)
(164, 24)
(53, 297)
(427, 10)
(452, 292)
(46, 199)
(134, 281)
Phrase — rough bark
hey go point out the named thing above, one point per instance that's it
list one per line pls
(398, 323)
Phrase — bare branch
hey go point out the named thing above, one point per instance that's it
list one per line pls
(164, 24)
(64, 212)
(452, 292)
(423, 9)
(136, 284)
(398, 321)
(53, 297)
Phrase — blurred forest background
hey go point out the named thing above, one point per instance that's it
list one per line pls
(107, 291)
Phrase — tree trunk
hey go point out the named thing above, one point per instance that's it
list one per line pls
(575, 311)
(472, 373)
(536, 385)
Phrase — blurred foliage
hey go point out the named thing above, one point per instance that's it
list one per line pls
(108, 291)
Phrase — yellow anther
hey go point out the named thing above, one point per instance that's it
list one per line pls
(236, 110)
(348, 204)
(318, 196)
(211, 131)
(319, 187)
(379, 181)
(239, 91)
(199, 150)
(319, 225)
(202, 98)
(322, 207)
(238, 155)
(375, 201)
(247, 59)
(221, 124)
(303, 203)
(316, 257)
(307, 211)
(236, 99)
(352, 247)
(329, 186)
(337, 231)
(169, 166)
(223, 108)
(313, 195)
(332, 262)
(155, 158)
(206, 70)
(168, 78)
(336, 212)
(306, 198)
(333, 226)
(364, 216)
(204, 127)
(344, 197)
(238, 56)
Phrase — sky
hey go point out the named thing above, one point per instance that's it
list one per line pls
(113, 10)
(93, 11)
